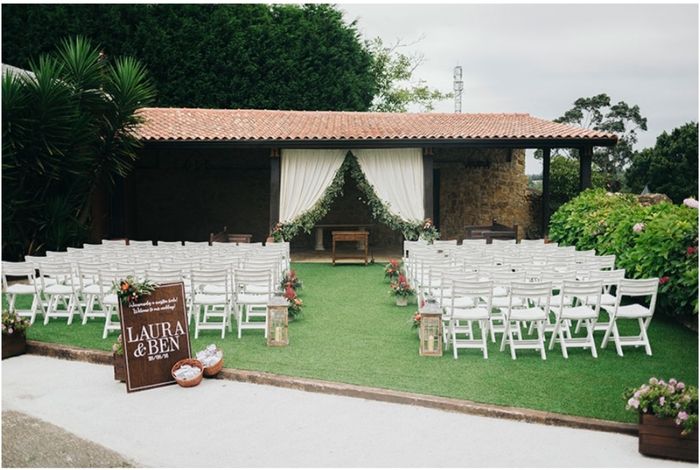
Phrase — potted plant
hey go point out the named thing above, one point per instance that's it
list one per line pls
(402, 290)
(668, 418)
(118, 360)
(14, 341)
(393, 269)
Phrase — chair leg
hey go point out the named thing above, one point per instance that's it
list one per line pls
(506, 332)
(645, 338)
(590, 326)
(540, 337)
(555, 332)
(562, 341)
(454, 338)
(484, 325)
(511, 342)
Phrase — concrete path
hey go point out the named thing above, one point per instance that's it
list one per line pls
(229, 424)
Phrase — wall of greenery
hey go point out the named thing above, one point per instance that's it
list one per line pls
(649, 241)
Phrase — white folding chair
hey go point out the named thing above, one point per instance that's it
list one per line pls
(587, 295)
(211, 290)
(92, 292)
(528, 302)
(637, 311)
(108, 300)
(31, 287)
(111, 243)
(163, 244)
(60, 290)
(254, 289)
(141, 243)
(502, 280)
(479, 294)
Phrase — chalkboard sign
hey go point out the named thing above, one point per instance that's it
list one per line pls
(155, 336)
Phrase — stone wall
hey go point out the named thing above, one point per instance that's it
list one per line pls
(478, 185)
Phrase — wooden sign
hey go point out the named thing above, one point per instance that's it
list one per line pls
(155, 336)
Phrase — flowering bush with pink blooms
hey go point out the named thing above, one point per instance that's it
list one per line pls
(658, 240)
(666, 400)
(13, 323)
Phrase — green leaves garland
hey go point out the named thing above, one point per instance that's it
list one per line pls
(411, 230)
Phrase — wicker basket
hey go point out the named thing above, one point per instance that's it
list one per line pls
(211, 371)
(191, 382)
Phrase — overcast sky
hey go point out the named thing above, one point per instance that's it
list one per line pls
(540, 58)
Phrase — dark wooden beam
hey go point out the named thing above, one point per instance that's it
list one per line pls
(532, 143)
(274, 188)
(585, 164)
(546, 154)
(428, 186)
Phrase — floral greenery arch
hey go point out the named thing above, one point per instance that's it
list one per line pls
(411, 230)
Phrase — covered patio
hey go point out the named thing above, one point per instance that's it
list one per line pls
(248, 170)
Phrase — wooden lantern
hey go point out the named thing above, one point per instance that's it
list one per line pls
(430, 332)
(277, 322)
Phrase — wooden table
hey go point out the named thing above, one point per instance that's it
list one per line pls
(319, 233)
(355, 236)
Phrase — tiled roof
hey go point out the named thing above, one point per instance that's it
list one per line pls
(185, 124)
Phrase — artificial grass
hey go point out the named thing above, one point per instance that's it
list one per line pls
(352, 332)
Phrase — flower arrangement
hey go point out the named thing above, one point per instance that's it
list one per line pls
(295, 303)
(118, 346)
(130, 289)
(13, 323)
(277, 233)
(415, 320)
(401, 287)
(393, 269)
(428, 232)
(290, 279)
(666, 400)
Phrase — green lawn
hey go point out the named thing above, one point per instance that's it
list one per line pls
(351, 332)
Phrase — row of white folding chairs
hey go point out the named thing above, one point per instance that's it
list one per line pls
(578, 300)
(77, 285)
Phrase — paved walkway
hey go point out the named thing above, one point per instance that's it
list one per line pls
(229, 424)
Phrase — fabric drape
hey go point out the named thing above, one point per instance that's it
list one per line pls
(397, 177)
(305, 176)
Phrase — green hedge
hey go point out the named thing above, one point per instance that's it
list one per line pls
(665, 246)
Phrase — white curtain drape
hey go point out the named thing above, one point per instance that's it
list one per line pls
(397, 177)
(305, 176)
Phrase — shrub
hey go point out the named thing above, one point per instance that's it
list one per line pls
(649, 241)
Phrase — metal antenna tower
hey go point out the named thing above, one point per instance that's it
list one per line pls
(458, 87)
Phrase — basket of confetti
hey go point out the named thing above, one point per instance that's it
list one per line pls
(212, 358)
(187, 372)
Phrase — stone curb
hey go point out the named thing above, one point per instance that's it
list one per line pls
(368, 393)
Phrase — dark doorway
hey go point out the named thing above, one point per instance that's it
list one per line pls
(436, 198)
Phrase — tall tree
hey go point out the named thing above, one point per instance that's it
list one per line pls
(397, 88)
(670, 167)
(598, 112)
(67, 132)
(215, 56)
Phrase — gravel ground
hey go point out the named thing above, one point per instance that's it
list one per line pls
(31, 442)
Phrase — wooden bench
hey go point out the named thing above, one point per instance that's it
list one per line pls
(354, 236)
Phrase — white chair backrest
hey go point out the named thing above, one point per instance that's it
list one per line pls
(114, 242)
(639, 288)
(17, 269)
(474, 289)
(140, 243)
(163, 244)
(539, 293)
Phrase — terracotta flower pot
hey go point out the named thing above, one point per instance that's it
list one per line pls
(14, 344)
(119, 367)
(661, 437)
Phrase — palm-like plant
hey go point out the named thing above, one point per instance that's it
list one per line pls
(67, 134)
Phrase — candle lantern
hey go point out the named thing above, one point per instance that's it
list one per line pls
(277, 322)
(430, 332)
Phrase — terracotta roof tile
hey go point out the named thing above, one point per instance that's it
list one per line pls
(163, 124)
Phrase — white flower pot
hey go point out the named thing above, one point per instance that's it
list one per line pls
(401, 301)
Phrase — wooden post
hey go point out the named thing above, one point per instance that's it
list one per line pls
(546, 154)
(585, 164)
(428, 183)
(274, 187)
